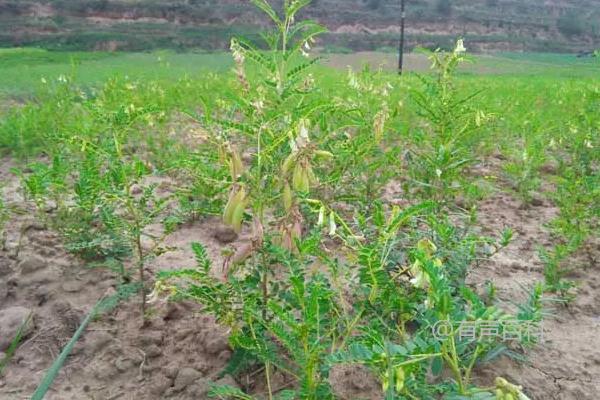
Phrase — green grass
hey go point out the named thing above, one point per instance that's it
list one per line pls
(548, 64)
(508, 64)
(22, 70)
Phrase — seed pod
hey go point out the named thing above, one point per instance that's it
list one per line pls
(287, 197)
(287, 163)
(236, 167)
(427, 247)
(238, 216)
(230, 206)
(323, 153)
(222, 153)
(509, 396)
(385, 382)
(232, 171)
(399, 379)
(297, 177)
(235, 198)
(300, 178)
(307, 178)
(312, 178)
(499, 394)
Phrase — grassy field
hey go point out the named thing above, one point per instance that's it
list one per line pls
(23, 69)
(327, 218)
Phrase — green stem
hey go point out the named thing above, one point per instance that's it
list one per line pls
(268, 374)
(140, 257)
(469, 369)
(451, 358)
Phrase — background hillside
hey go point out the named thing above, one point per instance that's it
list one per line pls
(531, 25)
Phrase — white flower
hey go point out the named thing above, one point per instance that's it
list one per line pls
(460, 47)
(237, 52)
(321, 220)
(352, 80)
(259, 105)
(420, 279)
(332, 225)
(303, 131)
(293, 146)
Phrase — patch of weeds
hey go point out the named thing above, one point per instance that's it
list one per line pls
(524, 170)
(450, 129)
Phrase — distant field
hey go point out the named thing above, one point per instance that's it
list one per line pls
(567, 65)
(22, 70)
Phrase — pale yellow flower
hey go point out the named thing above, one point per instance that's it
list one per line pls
(460, 47)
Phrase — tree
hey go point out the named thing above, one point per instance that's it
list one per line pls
(570, 24)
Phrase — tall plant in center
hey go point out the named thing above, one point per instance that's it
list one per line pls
(265, 135)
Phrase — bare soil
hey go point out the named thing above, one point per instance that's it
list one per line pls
(180, 351)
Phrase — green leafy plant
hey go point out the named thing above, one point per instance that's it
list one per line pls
(101, 204)
(576, 196)
(368, 151)
(524, 171)
(451, 129)
(293, 330)
(269, 124)
(125, 172)
(360, 190)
